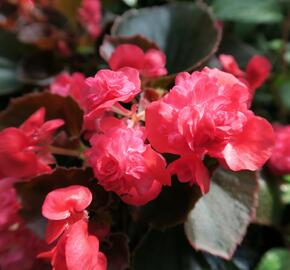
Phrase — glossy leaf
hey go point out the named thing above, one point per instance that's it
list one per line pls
(184, 31)
(219, 220)
(275, 259)
(269, 207)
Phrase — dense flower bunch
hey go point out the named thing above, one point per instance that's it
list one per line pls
(205, 114)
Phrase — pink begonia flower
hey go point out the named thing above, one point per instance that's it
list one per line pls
(122, 163)
(150, 63)
(69, 85)
(257, 71)
(24, 150)
(90, 16)
(279, 163)
(108, 88)
(76, 250)
(65, 206)
(206, 113)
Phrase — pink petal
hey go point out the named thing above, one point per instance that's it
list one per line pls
(54, 229)
(127, 55)
(191, 169)
(258, 70)
(82, 250)
(250, 149)
(60, 203)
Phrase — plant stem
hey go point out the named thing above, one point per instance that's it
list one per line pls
(65, 152)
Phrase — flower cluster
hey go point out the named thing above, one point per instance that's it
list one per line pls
(68, 221)
(205, 114)
(136, 144)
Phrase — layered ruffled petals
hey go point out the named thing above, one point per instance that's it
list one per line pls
(109, 87)
(250, 149)
(124, 164)
(206, 113)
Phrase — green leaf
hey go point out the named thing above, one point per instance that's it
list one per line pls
(249, 11)
(184, 31)
(275, 259)
(282, 84)
(269, 207)
(8, 77)
(131, 3)
(219, 220)
(285, 193)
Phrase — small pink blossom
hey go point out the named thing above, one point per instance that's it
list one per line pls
(257, 71)
(68, 221)
(90, 16)
(124, 164)
(150, 63)
(65, 206)
(108, 88)
(69, 85)
(24, 150)
(279, 163)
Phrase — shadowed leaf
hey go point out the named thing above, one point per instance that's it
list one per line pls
(184, 31)
(219, 220)
(56, 107)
